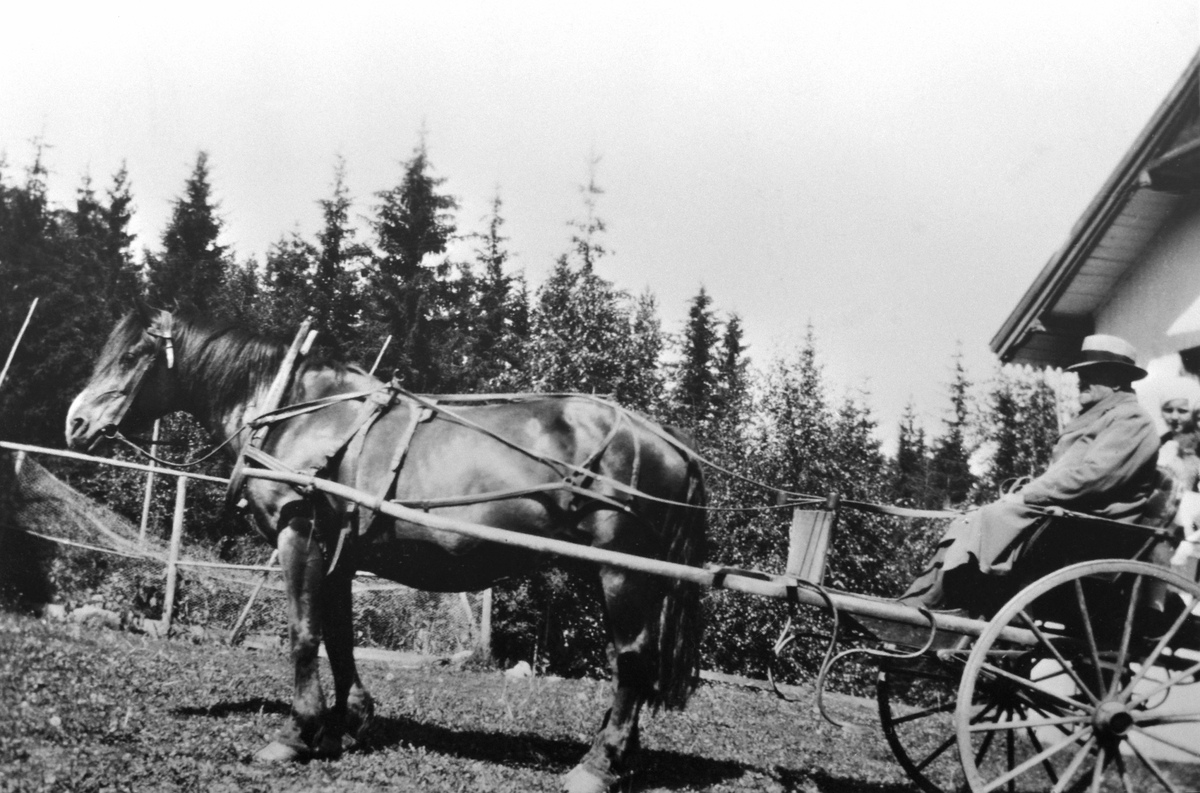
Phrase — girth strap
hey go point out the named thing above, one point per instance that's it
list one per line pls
(419, 415)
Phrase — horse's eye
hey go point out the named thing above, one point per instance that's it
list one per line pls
(128, 358)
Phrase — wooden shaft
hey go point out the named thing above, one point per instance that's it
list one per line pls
(713, 579)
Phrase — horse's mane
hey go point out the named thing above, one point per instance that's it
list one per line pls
(223, 362)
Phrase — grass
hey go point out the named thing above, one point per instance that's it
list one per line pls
(96, 710)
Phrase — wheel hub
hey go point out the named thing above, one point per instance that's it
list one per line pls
(1112, 719)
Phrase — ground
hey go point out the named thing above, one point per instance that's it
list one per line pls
(93, 709)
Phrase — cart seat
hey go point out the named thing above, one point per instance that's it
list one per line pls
(1056, 542)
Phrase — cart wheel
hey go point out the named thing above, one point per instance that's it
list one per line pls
(1085, 680)
(916, 704)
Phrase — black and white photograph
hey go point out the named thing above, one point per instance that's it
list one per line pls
(599, 398)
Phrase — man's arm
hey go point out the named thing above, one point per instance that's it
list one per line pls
(1120, 449)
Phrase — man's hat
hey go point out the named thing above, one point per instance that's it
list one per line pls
(1113, 351)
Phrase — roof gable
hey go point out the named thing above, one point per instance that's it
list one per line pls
(1152, 180)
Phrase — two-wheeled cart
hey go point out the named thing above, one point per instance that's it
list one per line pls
(1083, 681)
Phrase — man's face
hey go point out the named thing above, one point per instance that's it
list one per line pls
(1098, 382)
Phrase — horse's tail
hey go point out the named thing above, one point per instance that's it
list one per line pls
(681, 625)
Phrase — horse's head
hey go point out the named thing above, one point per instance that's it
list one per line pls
(132, 382)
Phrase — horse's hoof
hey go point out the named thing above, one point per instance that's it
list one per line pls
(276, 752)
(329, 748)
(582, 779)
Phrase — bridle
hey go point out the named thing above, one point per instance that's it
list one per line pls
(159, 330)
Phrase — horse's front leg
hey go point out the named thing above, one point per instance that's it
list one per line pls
(303, 565)
(352, 705)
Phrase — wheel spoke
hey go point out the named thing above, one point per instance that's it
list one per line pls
(920, 714)
(983, 748)
(1158, 649)
(1074, 766)
(1049, 721)
(1098, 771)
(1028, 686)
(1037, 758)
(1010, 742)
(1125, 781)
(1058, 671)
(1047, 766)
(1185, 749)
(1057, 714)
(1152, 720)
(936, 753)
(1091, 636)
(1058, 656)
(1153, 768)
(1164, 685)
(1126, 634)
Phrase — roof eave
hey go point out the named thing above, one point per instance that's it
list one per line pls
(1128, 176)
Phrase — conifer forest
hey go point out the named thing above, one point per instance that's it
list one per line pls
(391, 265)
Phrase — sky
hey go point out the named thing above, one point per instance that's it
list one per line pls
(893, 175)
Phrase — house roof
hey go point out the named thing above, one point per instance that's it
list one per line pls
(1152, 180)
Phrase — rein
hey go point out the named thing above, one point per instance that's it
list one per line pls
(273, 413)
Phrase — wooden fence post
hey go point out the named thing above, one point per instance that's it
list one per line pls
(485, 623)
(173, 554)
(149, 485)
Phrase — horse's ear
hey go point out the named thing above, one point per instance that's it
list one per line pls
(185, 306)
(142, 309)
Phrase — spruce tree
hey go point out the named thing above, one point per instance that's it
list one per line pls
(1021, 427)
(910, 471)
(287, 287)
(499, 322)
(733, 381)
(580, 323)
(335, 298)
(642, 385)
(413, 221)
(191, 266)
(696, 376)
(950, 471)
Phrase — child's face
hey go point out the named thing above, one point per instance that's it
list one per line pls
(1176, 413)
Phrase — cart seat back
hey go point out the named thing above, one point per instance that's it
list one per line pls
(1164, 501)
(808, 543)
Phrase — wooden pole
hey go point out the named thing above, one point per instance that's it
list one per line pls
(149, 485)
(17, 341)
(173, 554)
(485, 623)
(241, 620)
(713, 578)
(379, 357)
(25, 447)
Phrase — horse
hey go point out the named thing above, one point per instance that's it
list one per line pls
(565, 466)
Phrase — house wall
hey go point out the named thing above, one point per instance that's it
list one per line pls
(1157, 306)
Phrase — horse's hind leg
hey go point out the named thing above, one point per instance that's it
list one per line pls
(303, 566)
(632, 604)
(352, 705)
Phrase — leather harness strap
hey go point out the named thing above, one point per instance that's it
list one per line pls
(283, 378)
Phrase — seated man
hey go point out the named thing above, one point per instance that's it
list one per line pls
(1103, 464)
